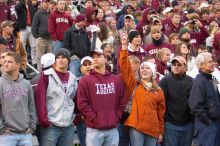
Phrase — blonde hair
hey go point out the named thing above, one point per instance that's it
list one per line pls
(161, 52)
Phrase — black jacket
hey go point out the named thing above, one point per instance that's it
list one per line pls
(40, 24)
(176, 92)
(22, 14)
(204, 99)
(77, 42)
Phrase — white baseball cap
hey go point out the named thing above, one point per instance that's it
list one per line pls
(47, 60)
(86, 58)
(167, 10)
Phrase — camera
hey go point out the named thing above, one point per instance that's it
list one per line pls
(192, 21)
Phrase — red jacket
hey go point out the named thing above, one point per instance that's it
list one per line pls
(58, 23)
(100, 98)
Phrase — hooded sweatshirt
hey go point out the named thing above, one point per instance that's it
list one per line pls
(17, 107)
(89, 12)
(144, 22)
(100, 98)
(5, 12)
(58, 23)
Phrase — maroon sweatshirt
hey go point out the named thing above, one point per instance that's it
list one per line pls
(58, 23)
(171, 28)
(162, 68)
(144, 22)
(100, 98)
(216, 44)
(152, 49)
(5, 12)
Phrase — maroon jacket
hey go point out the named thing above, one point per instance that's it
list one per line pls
(100, 98)
(171, 28)
(198, 38)
(58, 23)
(144, 22)
(152, 49)
(216, 44)
(5, 12)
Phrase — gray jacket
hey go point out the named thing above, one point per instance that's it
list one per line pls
(40, 24)
(60, 105)
(17, 107)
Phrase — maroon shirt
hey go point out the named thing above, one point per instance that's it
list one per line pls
(64, 77)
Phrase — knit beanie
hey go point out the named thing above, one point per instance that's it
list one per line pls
(132, 34)
(152, 67)
(80, 18)
(182, 31)
(65, 53)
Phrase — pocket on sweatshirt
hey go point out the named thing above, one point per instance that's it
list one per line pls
(21, 117)
(106, 119)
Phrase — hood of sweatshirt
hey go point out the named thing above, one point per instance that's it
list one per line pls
(89, 12)
(144, 16)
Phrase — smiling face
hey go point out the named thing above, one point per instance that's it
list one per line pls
(145, 72)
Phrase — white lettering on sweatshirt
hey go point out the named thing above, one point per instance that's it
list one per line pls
(65, 20)
(105, 88)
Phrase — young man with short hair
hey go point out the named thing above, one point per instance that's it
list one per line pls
(76, 40)
(58, 23)
(40, 31)
(55, 93)
(17, 107)
(100, 100)
(14, 44)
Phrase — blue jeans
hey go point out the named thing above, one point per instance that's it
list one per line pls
(81, 131)
(56, 136)
(95, 137)
(178, 135)
(124, 139)
(207, 135)
(140, 139)
(74, 67)
(16, 140)
(56, 45)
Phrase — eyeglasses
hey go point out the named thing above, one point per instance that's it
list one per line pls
(177, 64)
